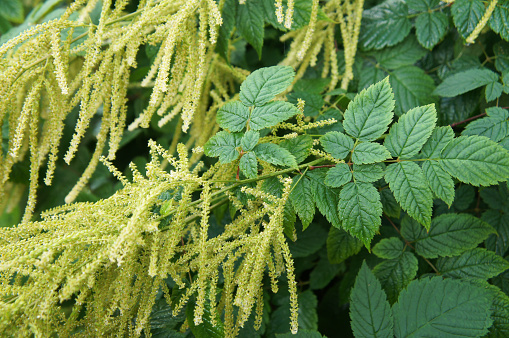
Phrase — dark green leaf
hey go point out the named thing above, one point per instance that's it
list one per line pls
(431, 28)
(395, 274)
(422, 5)
(465, 81)
(299, 146)
(498, 242)
(12, 10)
(250, 25)
(405, 53)
(495, 125)
(313, 102)
(303, 201)
(326, 198)
(437, 141)
(412, 87)
(389, 248)
(499, 20)
(228, 13)
(323, 274)
(466, 14)
(390, 206)
(476, 263)
(341, 245)
(439, 181)
(493, 91)
(271, 114)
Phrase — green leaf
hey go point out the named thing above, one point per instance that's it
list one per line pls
(367, 152)
(498, 242)
(302, 200)
(389, 248)
(384, 25)
(390, 206)
(499, 20)
(228, 13)
(341, 245)
(271, 114)
(476, 160)
(405, 53)
(422, 5)
(274, 154)
(476, 263)
(493, 91)
(449, 235)
(209, 328)
(337, 144)
(500, 315)
(223, 145)
(299, 146)
(437, 141)
(453, 308)
(395, 274)
(264, 84)
(370, 75)
(465, 81)
(360, 210)
(326, 198)
(431, 28)
(412, 87)
(249, 165)
(301, 14)
(323, 274)
(308, 242)
(300, 334)
(249, 140)
(497, 197)
(367, 172)
(466, 14)
(495, 126)
(162, 321)
(250, 24)
(408, 184)
(370, 113)
(314, 102)
(233, 116)
(12, 10)
(338, 176)
(408, 135)
(439, 181)
(370, 311)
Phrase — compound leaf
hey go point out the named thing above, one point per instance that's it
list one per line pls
(249, 165)
(264, 84)
(337, 144)
(233, 116)
(223, 145)
(367, 152)
(274, 154)
(389, 248)
(271, 114)
(465, 81)
(338, 175)
(249, 140)
(439, 181)
(476, 263)
(303, 201)
(367, 172)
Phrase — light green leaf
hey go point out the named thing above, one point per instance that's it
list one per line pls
(302, 200)
(449, 235)
(408, 135)
(250, 24)
(360, 210)
(367, 152)
(341, 245)
(465, 313)
(493, 91)
(495, 126)
(367, 172)
(326, 198)
(12, 10)
(249, 140)
(370, 113)
(476, 263)
(337, 144)
(405, 53)
(437, 141)
(412, 87)
(466, 14)
(274, 154)
(408, 184)
(389, 248)
(384, 25)
(228, 13)
(395, 274)
(233, 116)
(439, 181)
(431, 28)
(465, 81)
(499, 20)
(370, 311)
(264, 84)
(338, 176)
(223, 145)
(271, 114)
(475, 160)
(299, 146)
(249, 165)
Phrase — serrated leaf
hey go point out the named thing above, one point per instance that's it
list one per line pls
(412, 87)
(264, 84)
(422, 5)
(389, 248)
(476, 263)
(475, 160)
(466, 14)
(367, 153)
(384, 25)
(223, 145)
(313, 102)
(405, 53)
(271, 114)
(341, 245)
(370, 113)
(495, 126)
(466, 312)
(274, 154)
(233, 116)
(500, 315)
(228, 13)
(370, 75)
(408, 184)
(249, 140)
(493, 91)
(370, 311)
(338, 176)
(360, 210)
(449, 235)
(437, 141)
(249, 165)
(499, 20)
(498, 242)
(395, 274)
(439, 181)
(367, 172)
(12, 10)
(390, 206)
(326, 198)
(299, 146)
(431, 28)
(408, 135)
(337, 144)
(465, 81)
(302, 200)
(323, 274)
(250, 22)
